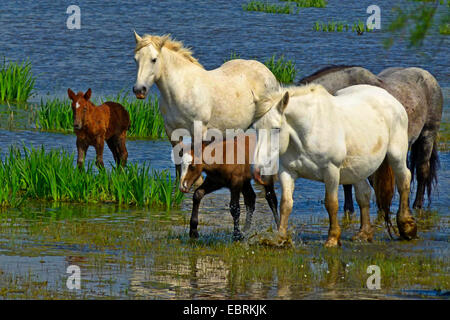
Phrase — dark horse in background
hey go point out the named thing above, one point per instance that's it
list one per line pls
(419, 92)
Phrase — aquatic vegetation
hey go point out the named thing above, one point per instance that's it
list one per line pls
(309, 3)
(360, 27)
(267, 7)
(339, 26)
(284, 70)
(52, 176)
(146, 119)
(16, 81)
(233, 55)
(444, 29)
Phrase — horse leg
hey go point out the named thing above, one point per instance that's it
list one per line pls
(287, 190)
(99, 146)
(177, 166)
(249, 200)
(272, 200)
(331, 179)
(112, 146)
(424, 161)
(235, 213)
(82, 147)
(208, 186)
(362, 192)
(122, 149)
(383, 183)
(348, 200)
(397, 160)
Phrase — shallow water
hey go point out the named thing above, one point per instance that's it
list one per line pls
(131, 253)
(100, 54)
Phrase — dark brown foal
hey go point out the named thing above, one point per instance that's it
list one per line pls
(93, 125)
(219, 174)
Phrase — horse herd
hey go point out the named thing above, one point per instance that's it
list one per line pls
(341, 125)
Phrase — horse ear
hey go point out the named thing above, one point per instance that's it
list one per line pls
(71, 94)
(88, 93)
(255, 97)
(284, 102)
(137, 37)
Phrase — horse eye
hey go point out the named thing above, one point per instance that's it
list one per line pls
(154, 60)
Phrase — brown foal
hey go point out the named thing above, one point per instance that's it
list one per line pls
(93, 125)
(236, 177)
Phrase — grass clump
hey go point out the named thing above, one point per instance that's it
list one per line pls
(266, 7)
(284, 70)
(52, 176)
(445, 29)
(16, 81)
(331, 26)
(309, 3)
(339, 26)
(233, 55)
(146, 119)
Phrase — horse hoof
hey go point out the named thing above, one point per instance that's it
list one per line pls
(237, 236)
(363, 236)
(407, 229)
(193, 234)
(332, 243)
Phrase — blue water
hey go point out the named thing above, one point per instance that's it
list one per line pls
(100, 54)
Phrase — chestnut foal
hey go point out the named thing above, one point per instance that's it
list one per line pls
(93, 125)
(236, 177)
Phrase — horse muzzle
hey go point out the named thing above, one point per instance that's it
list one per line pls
(184, 187)
(140, 93)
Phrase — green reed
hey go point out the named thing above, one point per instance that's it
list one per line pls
(52, 176)
(309, 3)
(266, 7)
(233, 55)
(145, 116)
(444, 29)
(284, 70)
(16, 81)
(339, 26)
(146, 119)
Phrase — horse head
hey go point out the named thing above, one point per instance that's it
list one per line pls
(80, 105)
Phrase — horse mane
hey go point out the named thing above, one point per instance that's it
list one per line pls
(324, 71)
(267, 101)
(166, 41)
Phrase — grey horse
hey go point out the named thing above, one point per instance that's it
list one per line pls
(419, 92)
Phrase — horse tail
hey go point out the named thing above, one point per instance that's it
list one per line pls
(434, 167)
(384, 186)
(414, 162)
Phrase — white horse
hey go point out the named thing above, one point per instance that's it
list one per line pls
(220, 98)
(340, 139)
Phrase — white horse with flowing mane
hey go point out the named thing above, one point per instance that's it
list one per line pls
(220, 98)
(340, 139)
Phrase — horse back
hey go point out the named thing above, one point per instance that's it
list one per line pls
(119, 117)
(420, 94)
